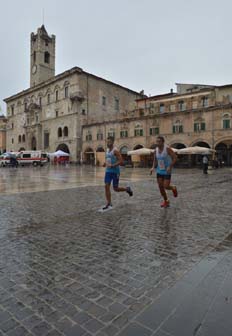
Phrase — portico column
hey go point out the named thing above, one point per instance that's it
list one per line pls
(95, 158)
(81, 157)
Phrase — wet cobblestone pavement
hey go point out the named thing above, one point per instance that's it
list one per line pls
(137, 270)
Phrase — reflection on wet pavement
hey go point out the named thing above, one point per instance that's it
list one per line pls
(32, 179)
(66, 269)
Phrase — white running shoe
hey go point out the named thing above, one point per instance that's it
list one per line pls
(106, 208)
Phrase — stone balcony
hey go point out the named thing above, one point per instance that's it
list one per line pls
(32, 107)
(77, 96)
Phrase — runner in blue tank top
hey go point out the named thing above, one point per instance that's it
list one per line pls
(164, 160)
(113, 161)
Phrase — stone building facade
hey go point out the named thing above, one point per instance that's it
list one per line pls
(50, 115)
(194, 115)
(3, 123)
(75, 111)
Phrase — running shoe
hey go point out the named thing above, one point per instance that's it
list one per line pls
(165, 204)
(129, 191)
(107, 207)
(174, 191)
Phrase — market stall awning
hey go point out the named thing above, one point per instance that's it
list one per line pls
(141, 151)
(196, 150)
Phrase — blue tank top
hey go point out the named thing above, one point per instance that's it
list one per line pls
(112, 159)
(163, 161)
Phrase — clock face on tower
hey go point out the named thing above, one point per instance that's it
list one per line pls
(34, 69)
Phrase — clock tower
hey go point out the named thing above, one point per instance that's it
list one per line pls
(42, 56)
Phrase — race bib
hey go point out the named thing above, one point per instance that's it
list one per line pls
(161, 164)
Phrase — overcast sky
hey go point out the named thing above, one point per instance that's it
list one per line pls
(149, 44)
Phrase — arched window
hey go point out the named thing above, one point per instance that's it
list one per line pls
(66, 91)
(59, 132)
(24, 138)
(138, 131)
(57, 95)
(226, 121)
(20, 138)
(66, 131)
(199, 125)
(46, 57)
(177, 127)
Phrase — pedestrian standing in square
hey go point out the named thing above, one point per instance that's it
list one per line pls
(205, 164)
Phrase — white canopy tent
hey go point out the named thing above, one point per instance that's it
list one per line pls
(141, 151)
(145, 151)
(59, 153)
(196, 150)
(174, 150)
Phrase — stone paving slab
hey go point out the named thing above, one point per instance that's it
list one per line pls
(174, 297)
(180, 313)
(67, 270)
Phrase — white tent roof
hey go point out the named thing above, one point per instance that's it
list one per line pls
(141, 151)
(59, 153)
(196, 150)
(145, 151)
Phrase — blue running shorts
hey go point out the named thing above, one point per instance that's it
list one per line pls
(109, 177)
